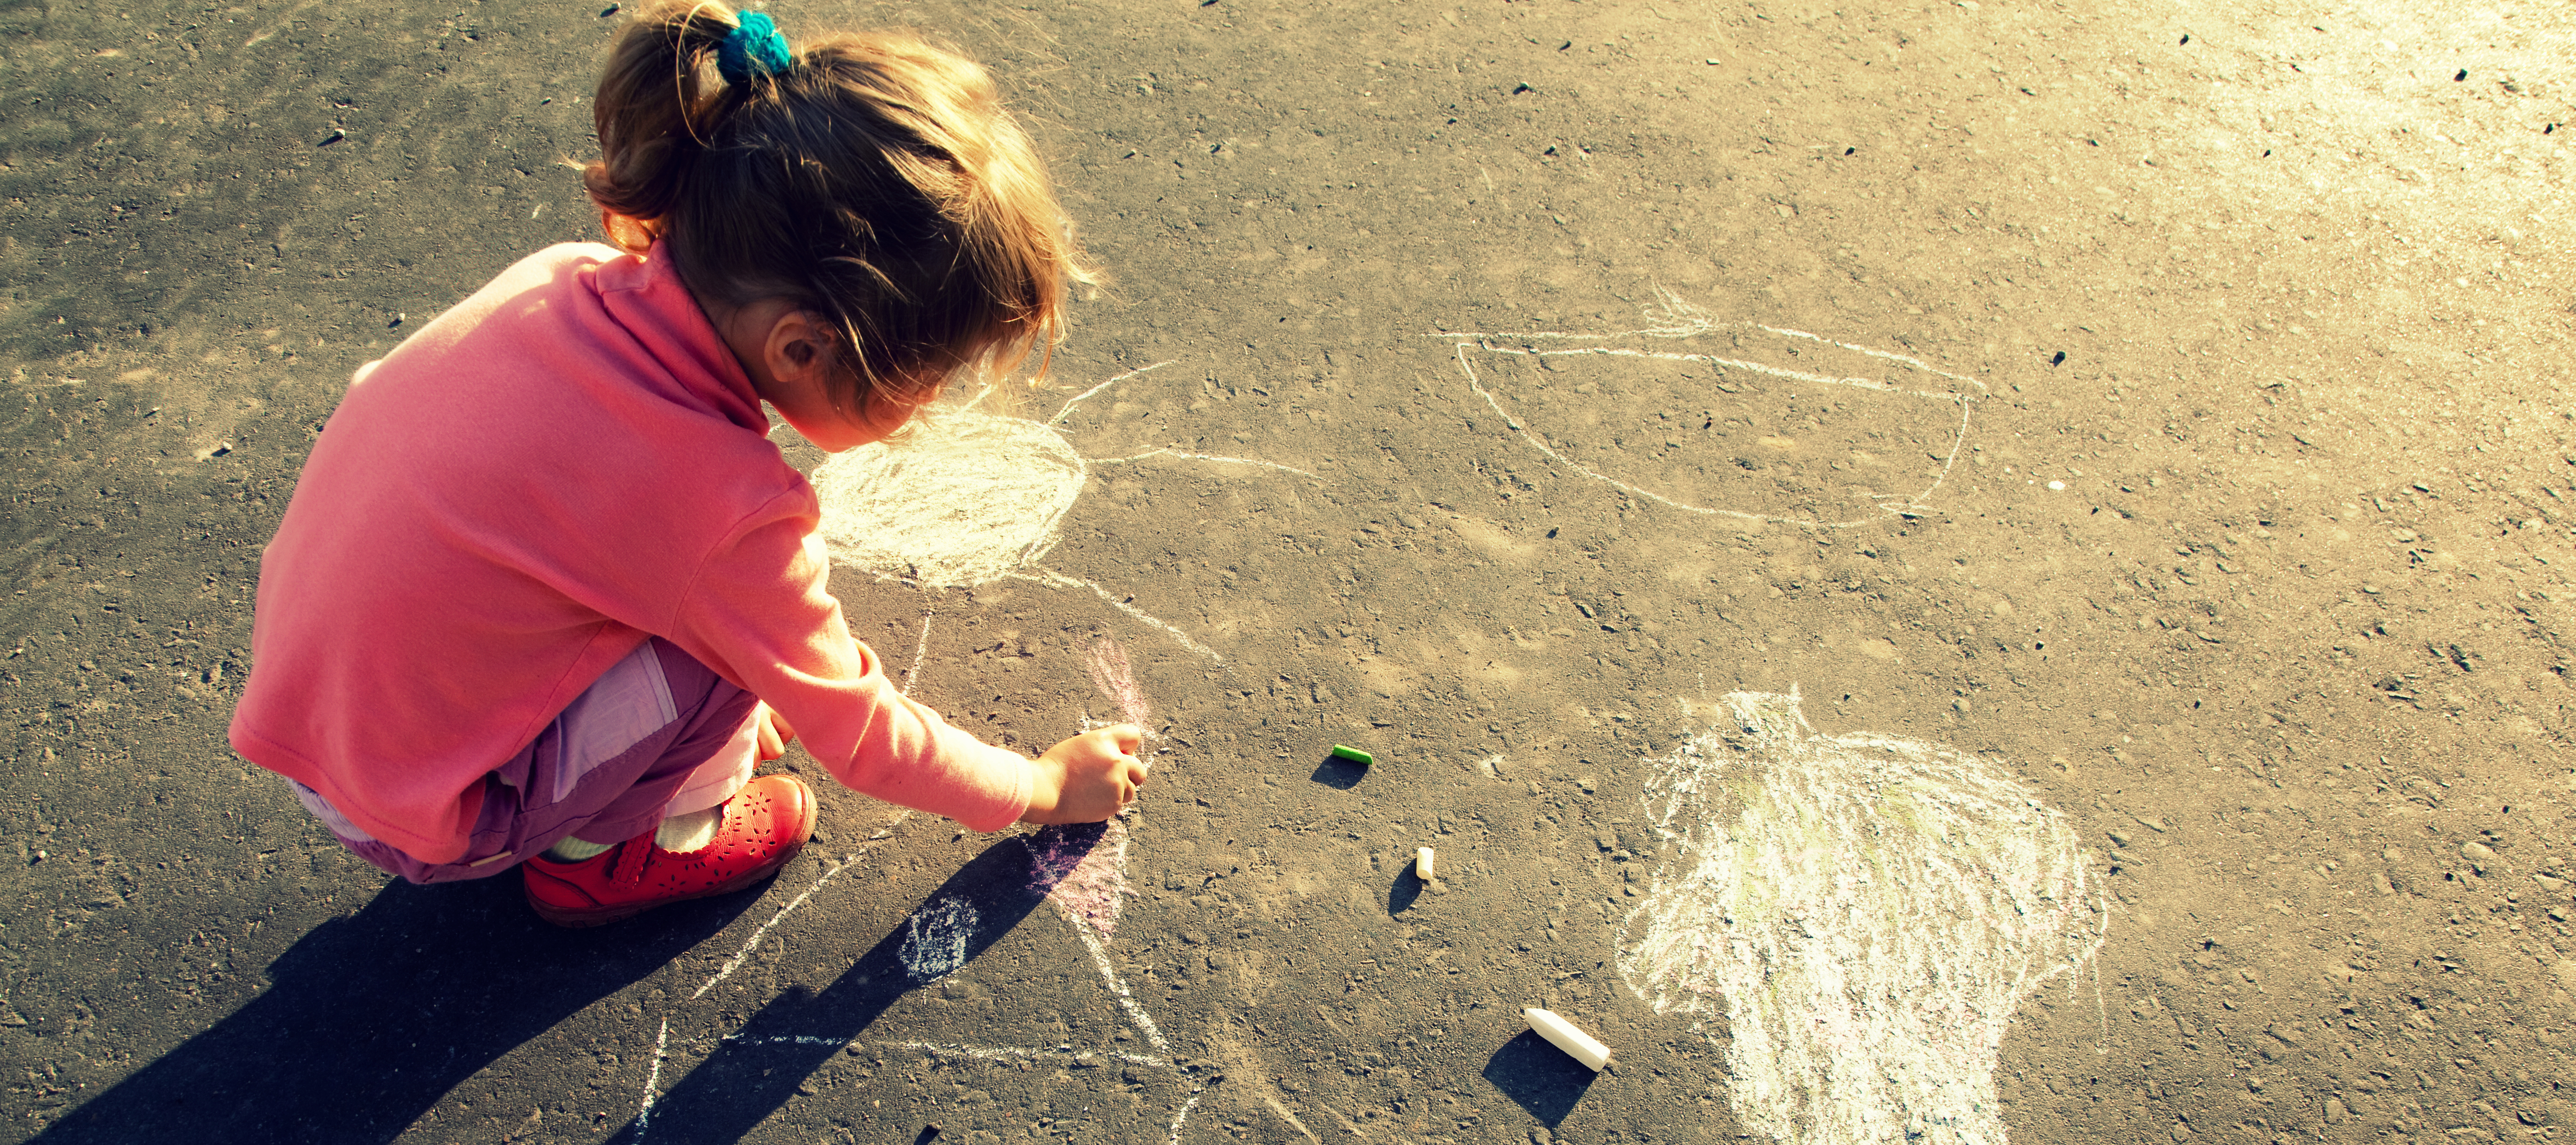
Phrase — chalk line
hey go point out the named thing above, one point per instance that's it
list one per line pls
(1068, 406)
(1687, 320)
(750, 944)
(1272, 1100)
(1477, 385)
(652, 1083)
(1781, 372)
(1118, 986)
(1908, 506)
(1947, 463)
(1891, 356)
(1201, 457)
(1050, 576)
(953, 1049)
(1002, 1053)
(753, 943)
(1186, 1107)
(920, 648)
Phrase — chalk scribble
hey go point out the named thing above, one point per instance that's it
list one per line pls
(1864, 912)
(936, 939)
(1107, 663)
(1713, 430)
(1083, 869)
(965, 498)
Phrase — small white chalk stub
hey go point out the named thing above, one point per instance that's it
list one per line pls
(1422, 868)
(1580, 1046)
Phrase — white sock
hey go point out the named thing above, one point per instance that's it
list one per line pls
(572, 850)
(683, 833)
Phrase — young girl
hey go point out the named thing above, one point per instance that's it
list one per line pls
(546, 589)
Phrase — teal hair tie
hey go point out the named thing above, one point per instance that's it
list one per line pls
(755, 47)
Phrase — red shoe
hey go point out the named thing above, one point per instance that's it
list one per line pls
(765, 824)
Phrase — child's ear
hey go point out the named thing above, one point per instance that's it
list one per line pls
(799, 347)
(632, 235)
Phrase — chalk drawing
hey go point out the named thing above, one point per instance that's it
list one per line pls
(936, 938)
(652, 1080)
(920, 648)
(1106, 662)
(964, 498)
(1864, 912)
(1082, 871)
(753, 943)
(954, 1050)
(1086, 869)
(1174, 1138)
(1797, 445)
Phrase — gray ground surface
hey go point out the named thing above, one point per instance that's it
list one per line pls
(2286, 650)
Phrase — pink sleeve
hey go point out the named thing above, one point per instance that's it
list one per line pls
(760, 616)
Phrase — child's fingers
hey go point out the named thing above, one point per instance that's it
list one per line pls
(1126, 736)
(767, 729)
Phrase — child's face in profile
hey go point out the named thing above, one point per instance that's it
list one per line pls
(835, 430)
(789, 357)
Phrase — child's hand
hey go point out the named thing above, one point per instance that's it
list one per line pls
(1088, 778)
(773, 732)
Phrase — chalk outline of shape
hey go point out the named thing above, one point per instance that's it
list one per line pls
(1107, 665)
(1684, 320)
(1043, 528)
(1688, 940)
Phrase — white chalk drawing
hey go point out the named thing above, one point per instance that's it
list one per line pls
(920, 649)
(832, 868)
(964, 498)
(1083, 873)
(969, 499)
(1796, 445)
(936, 939)
(653, 1080)
(1864, 912)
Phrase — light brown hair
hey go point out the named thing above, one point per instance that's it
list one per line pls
(877, 182)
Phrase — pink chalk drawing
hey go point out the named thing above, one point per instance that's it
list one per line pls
(1083, 868)
(1084, 871)
(1107, 663)
(1080, 869)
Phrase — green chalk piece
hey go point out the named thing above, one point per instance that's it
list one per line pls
(1355, 755)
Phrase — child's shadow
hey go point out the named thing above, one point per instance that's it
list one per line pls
(760, 1066)
(372, 1019)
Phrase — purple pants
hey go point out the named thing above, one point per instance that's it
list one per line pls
(658, 735)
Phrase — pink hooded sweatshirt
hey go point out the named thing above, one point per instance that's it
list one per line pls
(566, 463)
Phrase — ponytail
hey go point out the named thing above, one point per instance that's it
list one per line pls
(875, 180)
(651, 109)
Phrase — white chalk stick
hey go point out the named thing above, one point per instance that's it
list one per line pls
(1579, 1045)
(1422, 863)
